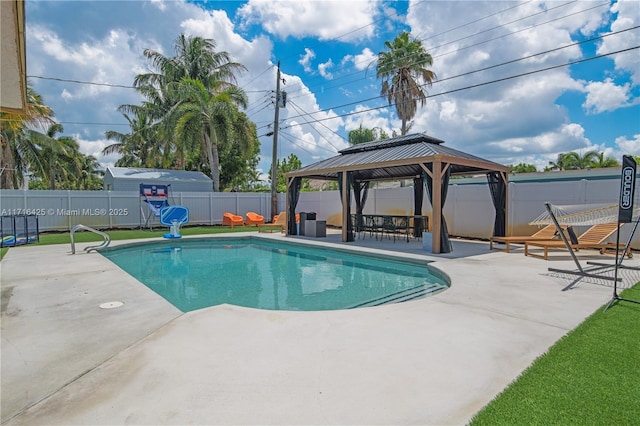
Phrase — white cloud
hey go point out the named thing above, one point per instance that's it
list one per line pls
(94, 148)
(363, 61)
(105, 61)
(323, 69)
(327, 20)
(605, 96)
(627, 17)
(305, 60)
(371, 119)
(160, 4)
(628, 146)
(447, 110)
(66, 95)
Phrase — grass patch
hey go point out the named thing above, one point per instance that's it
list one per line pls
(589, 377)
(133, 234)
(130, 234)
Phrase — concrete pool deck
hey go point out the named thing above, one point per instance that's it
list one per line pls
(433, 361)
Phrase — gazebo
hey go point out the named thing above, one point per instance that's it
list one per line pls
(419, 157)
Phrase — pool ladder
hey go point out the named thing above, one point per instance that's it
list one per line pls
(104, 244)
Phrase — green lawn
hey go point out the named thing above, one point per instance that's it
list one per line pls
(130, 234)
(590, 377)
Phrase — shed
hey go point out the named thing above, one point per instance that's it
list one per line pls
(129, 179)
(420, 157)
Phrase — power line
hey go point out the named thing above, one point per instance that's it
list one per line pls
(516, 32)
(298, 108)
(476, 21)
(498, 65)
(473, 86)
(89, 83)
(539, 54)
(45, 121)
(290, 138)
(93, 83)
(466, 37)
(521, 19)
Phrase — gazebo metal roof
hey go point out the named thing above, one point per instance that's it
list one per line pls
(396, 158)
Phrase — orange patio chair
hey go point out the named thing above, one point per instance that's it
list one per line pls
(254, 219)
(230, 219)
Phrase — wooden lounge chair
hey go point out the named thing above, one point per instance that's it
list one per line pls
(543, 234)
(279, 224)
(230, 219)
(254, 219)
(592, 238)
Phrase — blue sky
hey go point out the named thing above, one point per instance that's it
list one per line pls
(327, 51)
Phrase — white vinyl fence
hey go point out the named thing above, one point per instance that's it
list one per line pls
(61, 210)
(468, 209)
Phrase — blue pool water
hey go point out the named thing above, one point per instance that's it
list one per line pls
(258, 273)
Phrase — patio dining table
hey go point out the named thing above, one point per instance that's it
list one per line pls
(396, 225)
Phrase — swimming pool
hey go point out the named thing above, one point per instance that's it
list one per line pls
(254, 272)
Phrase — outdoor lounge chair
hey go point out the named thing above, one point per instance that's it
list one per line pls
(230, 219)
(592, 238)
(545, 234)
(254, 219)
(279, 224)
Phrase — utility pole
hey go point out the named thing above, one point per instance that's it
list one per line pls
(274, 156)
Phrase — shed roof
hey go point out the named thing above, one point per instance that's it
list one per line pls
(141, 174)
(396, 158)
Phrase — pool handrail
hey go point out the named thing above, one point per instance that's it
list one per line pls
(104, 244)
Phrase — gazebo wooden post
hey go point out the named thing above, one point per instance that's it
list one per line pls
(286, 204)
(345, 213)
(436, 205)
(505, 178)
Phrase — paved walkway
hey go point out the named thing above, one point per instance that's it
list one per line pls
(434, 361)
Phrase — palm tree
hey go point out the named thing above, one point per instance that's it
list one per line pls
(138, 147)
(601, 162)
(557, 165)
(401, 68)
(196, 59)
(90, 173)
(59, 157)
(209, 118)
(575, 161)
(19, 152)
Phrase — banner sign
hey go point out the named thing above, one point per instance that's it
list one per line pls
(627, 189)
